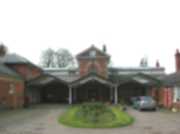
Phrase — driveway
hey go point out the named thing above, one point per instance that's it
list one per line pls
(42, 119)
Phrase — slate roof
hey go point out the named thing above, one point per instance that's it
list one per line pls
(144, 79)
(16, 59)
(91, 77)
(172, 79)
(67, 75)
(44, 79)
(5, 71)
(151, 71)
(139, 78)
(68, 78)
(135, 69)
(113, 77)
(13, 58)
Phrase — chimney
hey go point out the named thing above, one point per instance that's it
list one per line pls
(3, 50)
(157, 64)
(104, 48)
(177, 58)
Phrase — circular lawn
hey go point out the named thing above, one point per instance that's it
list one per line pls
(95, 115)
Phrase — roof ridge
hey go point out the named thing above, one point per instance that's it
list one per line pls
(92, 47)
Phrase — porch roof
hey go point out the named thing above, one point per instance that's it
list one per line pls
(45, 79)
(172, 79)
(140, 78)
(91, 77)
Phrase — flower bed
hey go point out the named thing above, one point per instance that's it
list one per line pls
(95, 115)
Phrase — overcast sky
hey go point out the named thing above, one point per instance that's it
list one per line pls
(131, 29)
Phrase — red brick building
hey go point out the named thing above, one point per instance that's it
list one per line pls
(95, 80)
(16, 72)
(170, 91)
(93, 59)
(11, 88)
(92, 80)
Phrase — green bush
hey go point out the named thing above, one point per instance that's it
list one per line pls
(95, 113)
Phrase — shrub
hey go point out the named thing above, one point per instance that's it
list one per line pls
(95, 115)
(95, 112)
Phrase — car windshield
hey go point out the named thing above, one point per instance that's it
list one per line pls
(146, 98)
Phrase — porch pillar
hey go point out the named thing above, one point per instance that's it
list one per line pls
(111, 94)
(70, 95)
(116, 95)
(74, 95)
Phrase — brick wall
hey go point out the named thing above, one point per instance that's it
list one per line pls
(11, 92)
(163, 96)
(177, 60)
(16, 99)
(26, 71)
(100, 65)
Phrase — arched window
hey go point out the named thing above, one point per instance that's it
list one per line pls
(92, 54)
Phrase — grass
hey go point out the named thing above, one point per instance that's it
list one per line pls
(98, 117)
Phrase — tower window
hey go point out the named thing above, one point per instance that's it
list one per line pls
(92, 54)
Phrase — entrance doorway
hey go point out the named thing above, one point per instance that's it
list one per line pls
(93, 94)
(93, 91)
(55, 92)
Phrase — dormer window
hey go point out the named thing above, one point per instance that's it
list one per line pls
(92, 53)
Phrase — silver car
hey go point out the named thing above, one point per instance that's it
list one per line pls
(144, 103)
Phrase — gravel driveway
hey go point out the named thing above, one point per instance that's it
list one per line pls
(42, 119)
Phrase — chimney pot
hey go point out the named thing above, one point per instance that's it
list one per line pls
(157, 64)
(177, 59)
(104, 48)
(177, 51)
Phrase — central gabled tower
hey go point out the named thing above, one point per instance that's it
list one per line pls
(93, 60)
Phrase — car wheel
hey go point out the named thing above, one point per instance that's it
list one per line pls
(154, 109)
(139, 109)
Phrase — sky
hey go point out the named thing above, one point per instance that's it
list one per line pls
(131, 29)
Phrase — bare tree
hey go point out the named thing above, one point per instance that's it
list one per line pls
(64, 58)
(3, 49)
(48, 58)
(144, 62)
(61, 58)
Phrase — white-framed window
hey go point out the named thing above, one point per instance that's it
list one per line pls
(11, 88)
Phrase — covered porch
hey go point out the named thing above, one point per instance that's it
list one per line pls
(92, 88)
(136, 85)
(47, 89)
(89, 88)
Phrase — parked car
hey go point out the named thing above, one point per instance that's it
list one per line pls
(144, 103)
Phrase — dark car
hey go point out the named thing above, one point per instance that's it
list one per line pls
(144, 103)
